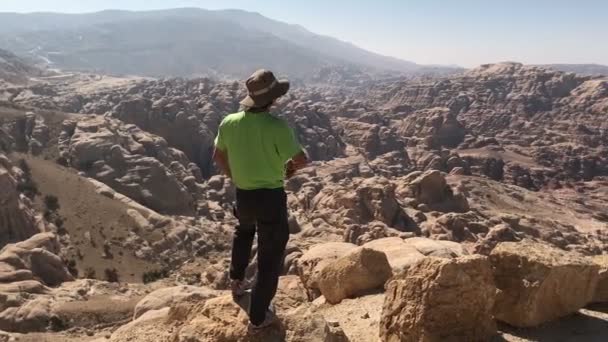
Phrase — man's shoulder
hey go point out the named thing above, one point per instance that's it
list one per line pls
(231, 118)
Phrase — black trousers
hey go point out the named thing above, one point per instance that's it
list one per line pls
(264, 211)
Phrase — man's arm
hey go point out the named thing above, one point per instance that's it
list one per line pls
(221, 159)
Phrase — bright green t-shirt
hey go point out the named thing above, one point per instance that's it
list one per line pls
(258, 145)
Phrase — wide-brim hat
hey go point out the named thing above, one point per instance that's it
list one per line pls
(263, 88)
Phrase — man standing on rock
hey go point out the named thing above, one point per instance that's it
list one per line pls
(258, 151)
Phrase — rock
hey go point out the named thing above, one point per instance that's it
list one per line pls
(438, 248)
(313, 261)
(291, 293)
(355, 273)
(538, 283)
(148, 327)
(171, 296)
(601, 293)
(400, 255)
(294, 225)
(34, 257)
(497, 234)
(131, 161)
(431, 188)
(18, 220)
(32, 316)
(440, 300)
(222, 320)
(48, 267)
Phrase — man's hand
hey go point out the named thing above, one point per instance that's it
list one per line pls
(294, 164)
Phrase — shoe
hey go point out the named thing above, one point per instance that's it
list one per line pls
(270, 319)
(238, 287)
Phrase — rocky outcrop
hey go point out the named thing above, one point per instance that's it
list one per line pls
(135, 163)
(421, 303)
(435, 127)
(399, 254)
(25, 268)
(360, 270)
(312, 262)
(601, 292)
(223, 319)
(538, 283)
(18, 220)
(34, 258)
(431, 189)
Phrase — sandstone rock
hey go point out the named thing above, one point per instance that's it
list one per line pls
(440, 300)
(496, 235)
(135, 163)
(171, 296)
(221, 319)
(148, 327)
(438, 248)
(538, 283)
(431, 188)
(400, 255)
(34, 257)
(601, 293)
(315, 259)
(33, 315)
(18, 219)
(358, 271)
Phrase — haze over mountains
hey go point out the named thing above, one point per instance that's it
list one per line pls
(464, 207)
(185, 42)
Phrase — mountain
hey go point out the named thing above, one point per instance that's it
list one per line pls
(14, 69)
(185, 42)
(582, 69)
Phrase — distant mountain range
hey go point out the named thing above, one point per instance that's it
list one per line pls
(582, 69)
(187, 42)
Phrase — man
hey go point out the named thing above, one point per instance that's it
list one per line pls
(257, 151)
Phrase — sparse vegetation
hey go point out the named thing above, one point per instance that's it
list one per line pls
(27, 186)
(89, 273)
(57, 324)
(154, 275)
(111, 275)
(62, 161)
(51, 203)
(71, 265)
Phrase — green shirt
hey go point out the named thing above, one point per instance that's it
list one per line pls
(258, 145)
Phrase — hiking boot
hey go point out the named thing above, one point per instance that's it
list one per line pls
(238, 287)
(270, 319)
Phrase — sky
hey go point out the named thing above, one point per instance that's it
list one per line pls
(460, 32)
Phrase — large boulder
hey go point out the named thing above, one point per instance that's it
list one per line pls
(436, 248)
(312, 262)
(360, 270)
(440, 299)
(601, 293)
(538, 283)
(33, 315)
(35, 257)
(400, 255)
(431, 188)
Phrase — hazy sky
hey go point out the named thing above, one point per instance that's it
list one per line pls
(463, 32)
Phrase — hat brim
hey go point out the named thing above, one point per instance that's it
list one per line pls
(260, 101)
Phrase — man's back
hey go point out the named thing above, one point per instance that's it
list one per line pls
(257, 146)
